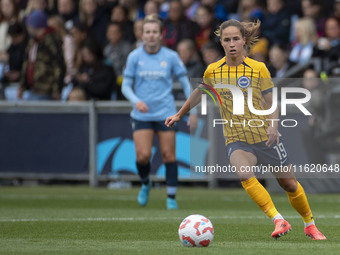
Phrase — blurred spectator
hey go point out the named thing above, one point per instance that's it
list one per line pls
(21, 4)
(68, 10)
(131, 6)
(57, 23)
(44, 65)
(117, 49)
(334, 70)
(190, 7)
(96, 79)
(314, 9)
(208, 24)
(177, 27)
(276, 23)
(95, 19)
(16, 52)
(316, 106)
(76, 95)
(121, 14)
(259, 51)
(164, 6)
(329, 46)
(278, 61)
(187, 52)
(310, 79)
(337, 8)
(151, 7)
(231, 6)
(8, 15)
(219, 10)
(250, 10)
(312, 82)
(38, 5)
(106, 5)
(211, 53)
(138, 32)
(305, 34)
(79, 33)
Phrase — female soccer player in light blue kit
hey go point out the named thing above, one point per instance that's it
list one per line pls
(150, 70)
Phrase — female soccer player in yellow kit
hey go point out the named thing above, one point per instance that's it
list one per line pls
(249, 146)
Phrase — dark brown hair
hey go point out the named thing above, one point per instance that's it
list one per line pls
(248, 30)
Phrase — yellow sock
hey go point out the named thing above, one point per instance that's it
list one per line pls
(260, 196)
(299, 202)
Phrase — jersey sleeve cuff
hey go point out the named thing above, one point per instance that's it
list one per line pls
(267, 91)
(181, 75)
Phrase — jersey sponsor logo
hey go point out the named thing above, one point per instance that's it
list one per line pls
(152, 75)
(243, 82)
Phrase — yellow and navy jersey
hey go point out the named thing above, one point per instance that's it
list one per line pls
(252, 128)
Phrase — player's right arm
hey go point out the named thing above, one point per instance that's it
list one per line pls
(128, 80)
(266, 90)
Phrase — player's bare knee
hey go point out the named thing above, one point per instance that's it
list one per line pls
(244, 175)
(288, 185)
(168, 156)
(143, 158)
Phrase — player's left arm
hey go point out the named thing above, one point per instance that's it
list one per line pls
(267, 86)
(272, 132)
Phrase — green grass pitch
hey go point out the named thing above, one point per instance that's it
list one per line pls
(83, 220)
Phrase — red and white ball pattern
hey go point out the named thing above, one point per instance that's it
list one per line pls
(196, 231)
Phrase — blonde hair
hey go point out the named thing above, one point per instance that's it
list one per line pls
(307, 30)
(153, 18)
(82, 15)
(248, 30)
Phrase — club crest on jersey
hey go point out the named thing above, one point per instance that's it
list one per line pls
(163, 64)
(243, 82)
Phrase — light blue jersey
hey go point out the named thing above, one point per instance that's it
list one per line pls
(152, 75)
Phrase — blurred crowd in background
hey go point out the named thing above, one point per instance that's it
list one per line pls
(76, 49)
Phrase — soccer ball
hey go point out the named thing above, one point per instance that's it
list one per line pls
(196, 231)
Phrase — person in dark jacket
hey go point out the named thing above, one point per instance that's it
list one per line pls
(120, 14)
(187, 52)
(177, 27)
(96, 79)
(95, 18)
(44, 67)
(276, 23)
(16, 52)
(67, 9)
(208, 24)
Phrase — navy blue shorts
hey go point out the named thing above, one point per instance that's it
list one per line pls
(275, 155)
(154, 125)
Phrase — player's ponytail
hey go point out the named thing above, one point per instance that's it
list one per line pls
(153, 18)
(249, 30)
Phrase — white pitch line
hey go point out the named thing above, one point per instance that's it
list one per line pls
(65, 197)
(147, 218)
(134, 197)
(83, 197)
(89, 219)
